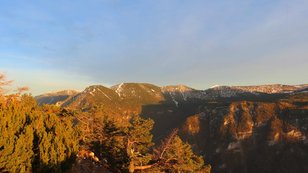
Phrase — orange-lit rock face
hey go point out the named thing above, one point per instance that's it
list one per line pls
(192, 125)
(252, 130)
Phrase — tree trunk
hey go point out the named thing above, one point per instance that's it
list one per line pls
(143, 167)
(132, 167)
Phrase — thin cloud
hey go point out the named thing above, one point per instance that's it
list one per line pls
(197, 43)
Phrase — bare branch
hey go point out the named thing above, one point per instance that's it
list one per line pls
(159, 153)
(22, 89)
(3, 82)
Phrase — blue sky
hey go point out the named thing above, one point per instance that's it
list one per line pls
(70, 44)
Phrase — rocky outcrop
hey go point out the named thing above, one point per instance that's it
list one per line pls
(239, 137)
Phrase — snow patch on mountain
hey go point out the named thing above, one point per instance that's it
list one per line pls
(119, 89)
(215, 86)
(175, 102)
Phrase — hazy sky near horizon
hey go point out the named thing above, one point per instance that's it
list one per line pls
(55, 45)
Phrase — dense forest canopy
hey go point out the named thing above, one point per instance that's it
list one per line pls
(52, 139)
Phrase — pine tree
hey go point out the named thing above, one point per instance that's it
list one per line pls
(113, 147)
(127, 148)
(174, 155)
(139, 142)
(56, 141)
(179, 157)
(16, 136)
(33, 139)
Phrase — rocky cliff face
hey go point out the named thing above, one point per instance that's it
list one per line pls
(252, 136)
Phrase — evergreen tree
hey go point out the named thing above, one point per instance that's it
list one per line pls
(139, 142)
(16, 136)
(56, 142)
(126, 148)
(113, 146)
(33, 139)
(179, 157)
(174, 155)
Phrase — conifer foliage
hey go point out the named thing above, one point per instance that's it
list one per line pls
(33, 138)
(130, 149)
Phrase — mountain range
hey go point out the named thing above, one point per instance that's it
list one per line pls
(154, 93)
(236, 128)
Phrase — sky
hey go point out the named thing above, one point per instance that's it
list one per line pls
(56, 45)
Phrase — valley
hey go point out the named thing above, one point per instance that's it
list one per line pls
(235, 128)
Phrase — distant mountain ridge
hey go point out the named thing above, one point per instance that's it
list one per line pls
(175, 92)
(269, 89)
(55, 97)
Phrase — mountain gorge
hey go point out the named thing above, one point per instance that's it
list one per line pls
(236, 128)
